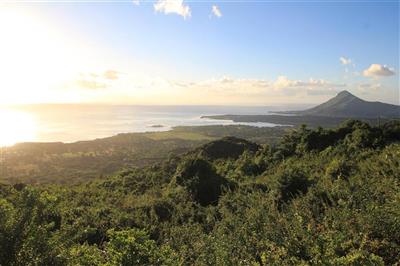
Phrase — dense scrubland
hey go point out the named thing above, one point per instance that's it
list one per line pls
(317, 197)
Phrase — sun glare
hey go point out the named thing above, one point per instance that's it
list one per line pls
(37, 58)
(16, 127)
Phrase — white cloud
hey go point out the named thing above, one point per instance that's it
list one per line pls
(97, 80)
(111, 74)
(377, 70)
(349, 67)
(216, 11)
(91, 83)
(282, 82)
(136, 2)
(345, 61)
(226, 85)
(226, 79)
(173, 7)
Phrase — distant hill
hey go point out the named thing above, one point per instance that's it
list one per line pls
(227, 147)
(346, 104)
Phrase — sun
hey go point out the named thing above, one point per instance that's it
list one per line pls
(37, 57)
(16, 127)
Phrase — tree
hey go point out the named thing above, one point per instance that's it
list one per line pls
(133, 247)
(200, 178)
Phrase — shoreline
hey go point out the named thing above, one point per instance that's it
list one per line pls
(158, 130)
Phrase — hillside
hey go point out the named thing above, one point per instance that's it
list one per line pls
(345, 104)
(318, 197)
(227, 147)
(71, 163)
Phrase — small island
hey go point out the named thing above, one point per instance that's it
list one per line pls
(157, 126)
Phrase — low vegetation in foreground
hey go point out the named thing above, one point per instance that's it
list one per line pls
(319, 197)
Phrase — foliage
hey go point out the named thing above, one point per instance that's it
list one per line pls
(319, 197)
(199, 177)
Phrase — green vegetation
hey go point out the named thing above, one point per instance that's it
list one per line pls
(72, 163)
(318, 197)
(297, 120)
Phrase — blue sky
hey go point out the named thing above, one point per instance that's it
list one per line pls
(254, 52)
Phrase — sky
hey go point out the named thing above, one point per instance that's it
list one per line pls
(178, 52)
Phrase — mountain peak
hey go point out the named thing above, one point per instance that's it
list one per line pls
(345, 93)
(345, 104)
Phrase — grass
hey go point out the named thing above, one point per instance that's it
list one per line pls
(172, 134)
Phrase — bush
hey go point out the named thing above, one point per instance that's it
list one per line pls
(200, 178)
(291, 183)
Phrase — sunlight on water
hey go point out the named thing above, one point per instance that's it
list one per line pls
(76, 122)
(16, 127)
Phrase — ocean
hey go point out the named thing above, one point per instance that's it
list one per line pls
(75, 122)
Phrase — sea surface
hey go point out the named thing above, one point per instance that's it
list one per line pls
(75, 122)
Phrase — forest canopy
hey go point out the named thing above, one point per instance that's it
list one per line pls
(318, 197)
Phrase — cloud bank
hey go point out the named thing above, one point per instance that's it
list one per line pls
(281, 86)
(111, 86)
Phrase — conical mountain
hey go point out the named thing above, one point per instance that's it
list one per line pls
(345, 104)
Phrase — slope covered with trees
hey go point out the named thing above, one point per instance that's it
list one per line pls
(319, 197)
